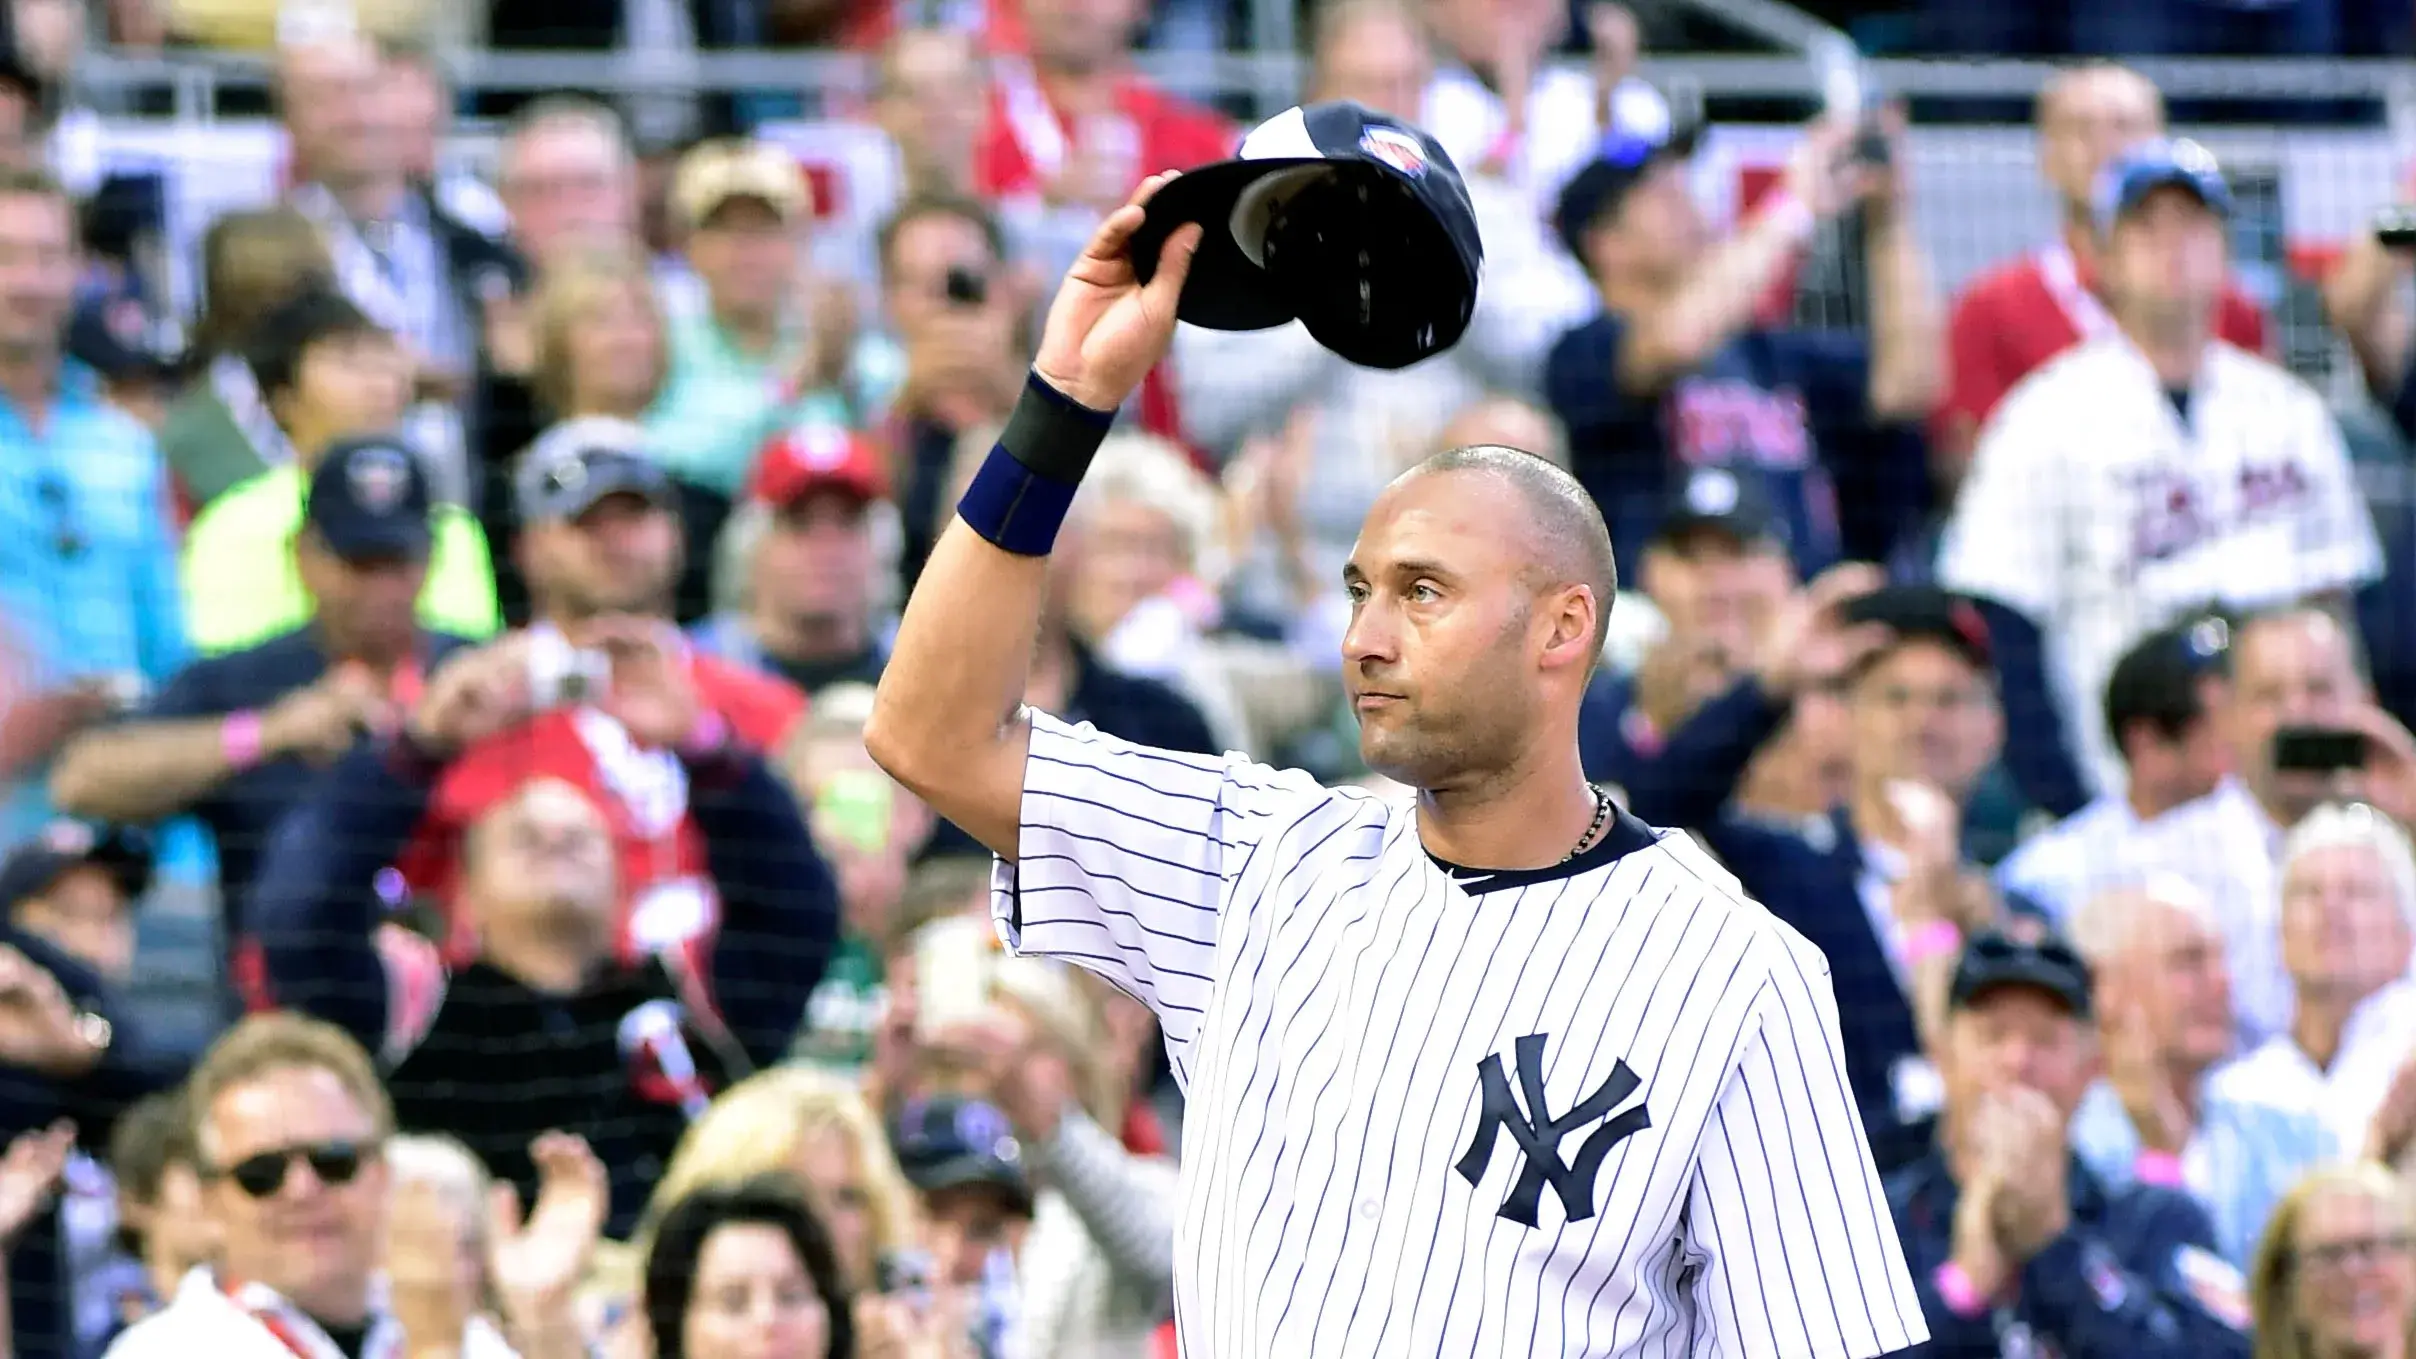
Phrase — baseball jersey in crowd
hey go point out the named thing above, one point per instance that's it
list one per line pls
(2010, 321)
(2249, 1148)
(1471, 123)
(2378, 1038)
(242, 811)
(2058, 869)
(666, 898)
(1346, 1012)
(1760, 406)
(241, 586)
(1027, 141)
(2099, 510)
(720, 404)
(87, 559)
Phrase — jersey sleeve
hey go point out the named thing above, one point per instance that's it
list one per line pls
(1126, 855)
(1799, 1256)
(2005, 540)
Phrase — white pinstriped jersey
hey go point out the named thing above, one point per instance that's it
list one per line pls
(1592, 1110)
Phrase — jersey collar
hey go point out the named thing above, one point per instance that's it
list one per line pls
(1624, 836)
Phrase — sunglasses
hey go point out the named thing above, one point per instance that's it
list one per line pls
(2340, 1254)
(263, 1174)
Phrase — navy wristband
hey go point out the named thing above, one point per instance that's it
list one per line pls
(1019, 498)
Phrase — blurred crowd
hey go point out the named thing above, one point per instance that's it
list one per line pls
(480, 596)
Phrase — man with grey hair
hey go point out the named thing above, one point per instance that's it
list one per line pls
(567, 177)
(2171, 1109)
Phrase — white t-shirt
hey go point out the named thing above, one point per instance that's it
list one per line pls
(2379, 1037)
(203, 1322)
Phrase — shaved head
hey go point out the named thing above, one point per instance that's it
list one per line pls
(1566, 540)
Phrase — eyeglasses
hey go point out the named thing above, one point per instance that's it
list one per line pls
(2355, 1250)
(263, 1174)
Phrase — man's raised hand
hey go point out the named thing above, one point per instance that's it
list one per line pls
(1106, 329)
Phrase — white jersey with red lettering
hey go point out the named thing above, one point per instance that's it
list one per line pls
(1597, 1109)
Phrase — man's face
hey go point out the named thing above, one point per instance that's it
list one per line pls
(2344, 930)
(1922, 712)
(2291, 670)
(566, 184)
(1656, 233)
(371, 603)
(621, 556)
(347, 385)
(915, 283)
(964, 1226)
(85, 915)
(1080, 35)
(313, 1238)
(2175, 973)
(1441, 657)
(2094, 115)
(932, 104)
(816, 562)
(544, 849)
(2166, 259)
(747, 255)
(1718, 596)
(337, 109)
(2012, 1036)
(37, 272)
(1379, 61)
(1123, 552)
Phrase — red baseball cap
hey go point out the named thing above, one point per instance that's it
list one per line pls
(818, 457)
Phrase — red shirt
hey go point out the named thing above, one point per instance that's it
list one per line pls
(2011, 320)
(666, 896)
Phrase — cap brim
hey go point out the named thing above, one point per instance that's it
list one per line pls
(2052, 983)
(1226, 290)
(974, 1172)
(651, 487)
(403, 541)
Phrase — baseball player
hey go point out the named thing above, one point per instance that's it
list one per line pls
(2145, 474)
(1499, 1071)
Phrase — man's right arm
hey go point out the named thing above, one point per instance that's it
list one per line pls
(162, 763)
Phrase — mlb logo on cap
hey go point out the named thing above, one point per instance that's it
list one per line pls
(379, 478)
(1395, 148)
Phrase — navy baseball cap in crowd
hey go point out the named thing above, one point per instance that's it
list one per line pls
(949, 1143)
(118, 334)
(1993, 959)
(1927, 613)
(1718, 500)
(34, 864)
(369, 500)
(2157, 680)
(2158, 164)
(1354, 224)
(580, 462)
(1620, 161)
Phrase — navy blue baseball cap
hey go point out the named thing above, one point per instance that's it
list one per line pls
(1354, 224)
(1993, 959)
(950, 1143)
(1620, 162)
(2130, 177)
(1723, 501)
(1927, 613)
(33, 865)
(369, 501)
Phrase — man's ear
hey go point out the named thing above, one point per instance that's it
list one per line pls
(1574, 614)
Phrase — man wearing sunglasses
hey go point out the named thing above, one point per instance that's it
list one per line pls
(290, 1121)
(2015, 1246)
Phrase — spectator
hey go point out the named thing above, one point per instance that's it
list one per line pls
(599, 540)
(568, 180)
(929, 97)
(87, 566)
(2348, 899)
(1675, 373)
(1502, 109)
(964, 1161)
(450, 1223)
(291, 1124)
(234, 739)
(2161, 711)
(30, 1172)
(334, 382)
(746, 1270)
(1367, 425)
(807, 609)
(66, 1048)
(2171, 1111)
(2012, 1240)
(2333, 1274)
(2151, 472)
(420, 101)
(160, 1220)
(601, 349)
(419, 273)
(221, 432)
(626, 1048)
(754, 357)
(2010, 321)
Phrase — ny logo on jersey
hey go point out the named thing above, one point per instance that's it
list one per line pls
(1539, 1134)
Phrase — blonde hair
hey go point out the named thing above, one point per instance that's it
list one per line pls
(1065, 1012)
(452, 1169)
(758, 1126)
(2357, 826)
(251, 261)
(1146, 470)
(279, 1041)
(569, 292)
(2272, 1274)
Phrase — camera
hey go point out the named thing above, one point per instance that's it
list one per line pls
(561, 675)
(1871, 145)
(2395, 228)
(2318, 750)
(966, 287)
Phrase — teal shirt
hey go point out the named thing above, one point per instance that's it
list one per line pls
(717, 407)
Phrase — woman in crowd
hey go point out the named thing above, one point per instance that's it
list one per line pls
(220, 432)
(746, 1272)
(2334, 1275)
(444, 1167)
